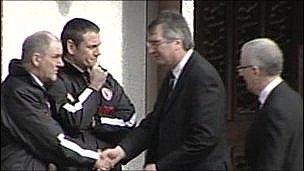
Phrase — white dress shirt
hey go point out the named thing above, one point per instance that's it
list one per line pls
(267, 90)
(176, 71)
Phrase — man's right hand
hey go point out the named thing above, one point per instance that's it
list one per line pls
(97, 78)
(113, 155)
(102, 164)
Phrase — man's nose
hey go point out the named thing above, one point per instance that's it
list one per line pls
(150, 49)
(240, 73)
(60, 62)
(97, 52)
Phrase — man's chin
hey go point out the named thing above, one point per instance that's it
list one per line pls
(160, 62)
(52, 79)
(91, 64)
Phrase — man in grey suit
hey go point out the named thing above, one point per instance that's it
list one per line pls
(275, 139)
(185, 130)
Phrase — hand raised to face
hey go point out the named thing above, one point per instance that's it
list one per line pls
(97, 77)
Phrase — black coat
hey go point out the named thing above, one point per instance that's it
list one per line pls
(275, 139)
(29, 134)
(187, 131)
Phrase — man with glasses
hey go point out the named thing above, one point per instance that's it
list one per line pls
(275, 139)
(185, 130)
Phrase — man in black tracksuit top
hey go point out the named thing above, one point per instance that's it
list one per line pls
(30, 138)
(110, 108)
(99, 115)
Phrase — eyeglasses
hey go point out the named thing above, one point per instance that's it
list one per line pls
(156, 43)
(244, 67)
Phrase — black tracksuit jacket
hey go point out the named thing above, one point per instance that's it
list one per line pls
(76, 105)
(30, 137)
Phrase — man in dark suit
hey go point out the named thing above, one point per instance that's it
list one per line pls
(185, 131)
(275, 139)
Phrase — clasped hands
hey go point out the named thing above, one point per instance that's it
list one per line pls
(109, 158)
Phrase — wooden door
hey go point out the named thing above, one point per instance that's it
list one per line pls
(220, 30)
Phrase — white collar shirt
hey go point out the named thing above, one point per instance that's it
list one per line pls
(177, 70)
(37, 80)
(267, 90)
(74, 65)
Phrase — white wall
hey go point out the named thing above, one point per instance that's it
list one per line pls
(134, 61)
(22, 18)
(123, 33)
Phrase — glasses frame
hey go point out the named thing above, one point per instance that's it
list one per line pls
(157, 43)
(244, 67)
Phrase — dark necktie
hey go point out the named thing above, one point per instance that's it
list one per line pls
(258, 105)
(171, 85)
(49, 103)
(170, 88)
(171, 81)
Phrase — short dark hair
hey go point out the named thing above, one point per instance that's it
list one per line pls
(37, 42)
(74, 30)
(174, 26)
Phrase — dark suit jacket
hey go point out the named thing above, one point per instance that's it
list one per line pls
(275, 139)
(185, 132)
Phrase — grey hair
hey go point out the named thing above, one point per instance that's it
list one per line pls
(38, 42)
(174, 26)
(264, 53)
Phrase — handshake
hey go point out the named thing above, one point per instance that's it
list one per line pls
(109, 158)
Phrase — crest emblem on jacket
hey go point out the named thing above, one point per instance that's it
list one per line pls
(107, 93)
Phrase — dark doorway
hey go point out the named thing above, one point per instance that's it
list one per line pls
(220, 30)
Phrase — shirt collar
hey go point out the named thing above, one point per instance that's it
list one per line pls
(176, 71)
(37, 80)
(74, 65)
(267, 90)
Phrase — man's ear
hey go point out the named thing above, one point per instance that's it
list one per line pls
(71, 47)
(257, 70)
(179, 43)
(36, 59)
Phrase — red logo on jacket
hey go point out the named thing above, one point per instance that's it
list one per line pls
(106, 111)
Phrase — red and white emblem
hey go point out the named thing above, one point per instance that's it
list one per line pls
(107, 93)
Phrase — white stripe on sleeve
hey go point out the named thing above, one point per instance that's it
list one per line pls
(77, 106)
(76, 148)
(118, 122)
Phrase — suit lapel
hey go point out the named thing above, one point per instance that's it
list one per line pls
(162, 96)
